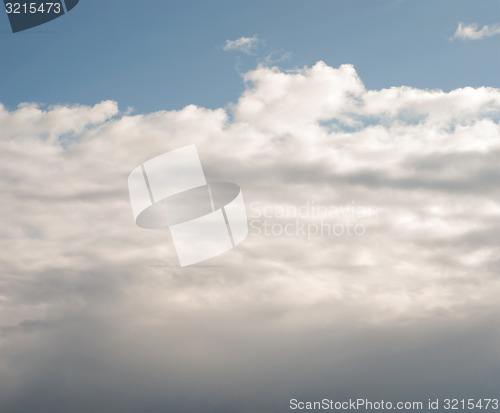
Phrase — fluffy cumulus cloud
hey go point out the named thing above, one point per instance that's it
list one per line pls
(472, 32)
(246, 45)
(371, 267)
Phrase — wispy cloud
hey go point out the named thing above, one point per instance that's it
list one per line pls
(243, 44)
(472, 32)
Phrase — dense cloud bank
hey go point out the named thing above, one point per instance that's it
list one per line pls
(97, 316)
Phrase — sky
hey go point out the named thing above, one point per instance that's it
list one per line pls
(160, 55)
(386, 114)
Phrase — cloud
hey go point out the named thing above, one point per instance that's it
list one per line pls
(472, 32)
(246, 45)
(32, 120)
(90, 304)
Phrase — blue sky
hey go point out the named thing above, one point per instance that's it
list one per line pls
(155, 55)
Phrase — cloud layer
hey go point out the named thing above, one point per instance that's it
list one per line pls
(96, 314)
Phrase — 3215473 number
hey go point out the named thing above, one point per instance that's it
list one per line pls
(33, 8)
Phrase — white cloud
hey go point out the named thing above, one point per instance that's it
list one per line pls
(314, 133)
(81, 282)
(32, 120)
(472, 32)
(243, 44)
